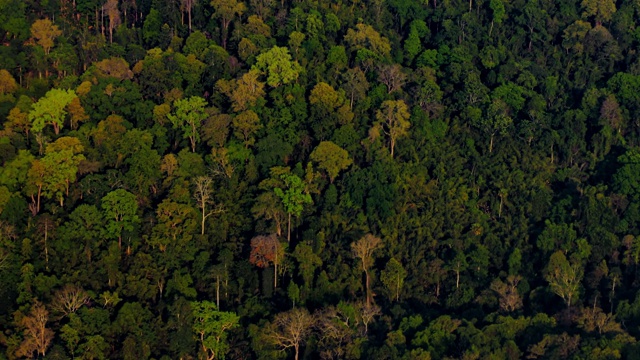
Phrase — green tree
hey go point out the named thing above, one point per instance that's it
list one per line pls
(600, 10)
(293, 197)
(50, 110)
(188, 116)
(120, 208)
(564, 277)
(393, 277)
(212, 327)
(331, 158)
(245, 125)
(276, 63)
(61, 162)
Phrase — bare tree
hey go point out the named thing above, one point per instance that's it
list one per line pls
(510, 299)
(392, 76)
(364, 249)
(290, 329)
(367, 313)
(111, 8)
(69, 299)
(204, 196)
(37, 337)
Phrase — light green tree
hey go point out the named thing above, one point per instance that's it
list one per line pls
(393, 277)
(276, 63)
(50, 110)
(188, 115)
(212, 327)
(393, 120)
(564, 277)
(61, 162)
(293, 197)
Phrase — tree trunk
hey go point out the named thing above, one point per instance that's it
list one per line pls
(218, 292)
(366, 279)
(204, 217)
(289, 230)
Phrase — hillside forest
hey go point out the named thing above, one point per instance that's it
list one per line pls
(306, 179)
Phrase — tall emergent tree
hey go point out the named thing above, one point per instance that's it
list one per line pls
(293, 197)
(363, 249)
(393, 120)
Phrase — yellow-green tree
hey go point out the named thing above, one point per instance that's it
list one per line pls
(43, 33)
(393, 121)
(331, 158)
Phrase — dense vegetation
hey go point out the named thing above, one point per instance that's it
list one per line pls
(375, 179)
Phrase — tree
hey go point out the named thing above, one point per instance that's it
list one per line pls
(69, 299)
(290, 329)
(266, 250)
(276, 63)
(393, 120)
(356, 85)
(77, 113)
(226, 10)
(61, 161)
(203, 195)
(563, 277)
(393, 277)
(37, 337)
(243, 92)
(7, 83)
(497, 7)
(44, 32)
(509, 297)
(363, 249)
(293, 197)
(50, 110)
(111, 8)
(331, 158)
(188, 6)
(267, 206)
(600, 10)
(175, 227)
(392, 77)
(245, 125)
(212, 327)
(366, 37)
(120, 208)
(188, 116)
(496, 122)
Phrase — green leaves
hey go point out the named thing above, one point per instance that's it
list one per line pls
(293, 196)
(277, 65)
(50, 110)
(121, 211)
(212, 327)
(188, 116)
